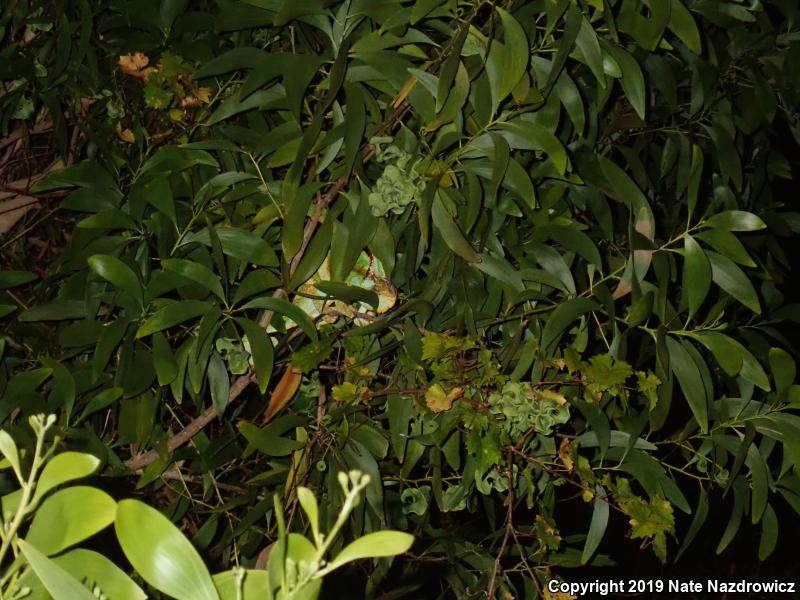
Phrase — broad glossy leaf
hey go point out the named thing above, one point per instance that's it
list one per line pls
(8, 448)
(172, 314)
(218, 382)
(96, 569)
(309, 503)
(255, 585)
(241, 244)
(682, 24)
(261, 349)
(63, 467)
(70, 516)
(196, 272)
(735, 220)
(60, 584)
(161, 554)
(373, 545)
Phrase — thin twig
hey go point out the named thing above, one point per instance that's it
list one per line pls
(509, 521)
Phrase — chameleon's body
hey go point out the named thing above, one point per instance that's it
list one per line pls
(368, 273)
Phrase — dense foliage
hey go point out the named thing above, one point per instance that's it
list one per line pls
(501, 257)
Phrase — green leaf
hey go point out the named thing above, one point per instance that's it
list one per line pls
(733, 281)
(60, 310)
(163, 360)
(239, 243)
(60, 584)
(101, 400)
(682, 24)
(267, 441)
(726, 244)
(690, 381)
(218, 382)
(527, 135)
(517, 53)
(769, 533)
(8, 448)
(450, 67)
(161, 554)
(589, 46)
(501, 270)
(261, 349)
(373, 545)
(108, 219)
(597, 527)
(737, 512)
(9, 279)
(255, 585)
(698, 520)
(784, 369)
(564, 45)
(351, 294)
(695, 177)
(70, 516)
(309, 503)
(561, 318)
(64, 467)
(726, 350)
(196, 272)
(451, 233)
(287, 309)
(632, 79)
(735, 220)
(421, 9)
(172, 314)
(96, 569)
(696, 274)
(759, 483)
